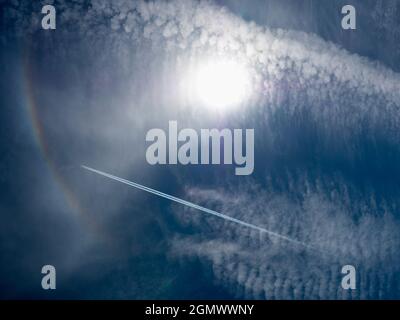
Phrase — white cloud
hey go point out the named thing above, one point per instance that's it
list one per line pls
(257, 266)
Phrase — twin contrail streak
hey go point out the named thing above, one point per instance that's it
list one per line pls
(195, 206)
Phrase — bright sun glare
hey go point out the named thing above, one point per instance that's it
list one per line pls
(221, 84)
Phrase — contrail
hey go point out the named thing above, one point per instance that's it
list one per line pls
(195, 206)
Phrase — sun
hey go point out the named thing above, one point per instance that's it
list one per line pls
(221, 84)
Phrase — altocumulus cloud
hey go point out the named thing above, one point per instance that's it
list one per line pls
(202, 27)
(256, 266)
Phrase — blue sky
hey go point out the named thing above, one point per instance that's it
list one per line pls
(323, 105)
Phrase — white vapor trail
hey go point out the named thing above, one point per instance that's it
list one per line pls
(195, 206)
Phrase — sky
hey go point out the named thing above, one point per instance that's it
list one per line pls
(323, 103)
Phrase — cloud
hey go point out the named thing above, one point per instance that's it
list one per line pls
(203, 26)
(258, 266)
